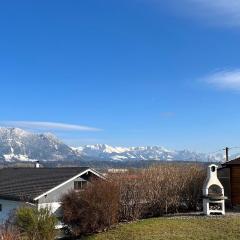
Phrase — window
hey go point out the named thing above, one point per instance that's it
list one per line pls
(79, 185)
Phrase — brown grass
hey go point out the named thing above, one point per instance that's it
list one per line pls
(185, 228)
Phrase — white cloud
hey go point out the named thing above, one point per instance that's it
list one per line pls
(230, 9)
(214, 11)
(48, 126)
(227, 79)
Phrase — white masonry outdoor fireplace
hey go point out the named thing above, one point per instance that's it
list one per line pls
(213, 193)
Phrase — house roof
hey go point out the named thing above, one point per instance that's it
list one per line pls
(235, 161)
(26, 184)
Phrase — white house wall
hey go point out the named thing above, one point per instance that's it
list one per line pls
(54, 207)
(56, 195)
(53, 199)
(8, 207)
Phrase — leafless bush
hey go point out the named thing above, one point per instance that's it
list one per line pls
(170, 188)
(8, 232)
(131, 196)
(160, 189)
(148, 192)
(193, 183)
(94, 209)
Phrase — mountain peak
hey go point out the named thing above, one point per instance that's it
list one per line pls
(110, 153)
(18, 144)
(12, 130)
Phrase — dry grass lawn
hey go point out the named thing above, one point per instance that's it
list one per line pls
(212, 228)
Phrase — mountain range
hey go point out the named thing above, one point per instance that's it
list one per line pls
(106, 152)
(20, 145)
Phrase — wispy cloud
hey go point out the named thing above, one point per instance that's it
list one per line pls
(226, 79)
(216, 11)
(48, 126)
(227, 11)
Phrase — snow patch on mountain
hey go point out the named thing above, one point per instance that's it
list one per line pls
(20, 145)
(110, 153)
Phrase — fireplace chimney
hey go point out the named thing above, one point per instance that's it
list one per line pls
(213, 193)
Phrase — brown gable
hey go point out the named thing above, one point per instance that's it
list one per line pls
(235, 161)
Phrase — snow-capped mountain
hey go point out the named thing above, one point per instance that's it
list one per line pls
(20, 145)
(17, 144)
(106, 152)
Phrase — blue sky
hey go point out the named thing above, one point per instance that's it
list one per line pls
(128, 73)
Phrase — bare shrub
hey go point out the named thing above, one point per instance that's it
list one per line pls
(192, 191)
(160, 189)
(149, 192)
(170, 188)
(8, 232)
(92, 210)
(131, 196)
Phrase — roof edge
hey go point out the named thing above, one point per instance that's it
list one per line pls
(231, 162)
(69, 180)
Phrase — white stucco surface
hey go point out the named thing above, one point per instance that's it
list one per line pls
(54, 207)
(7, 208)
(212, 180)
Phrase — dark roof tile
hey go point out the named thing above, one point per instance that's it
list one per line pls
(25, 184)
(235, 161)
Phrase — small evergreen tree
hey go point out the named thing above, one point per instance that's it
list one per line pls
(36, 224)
